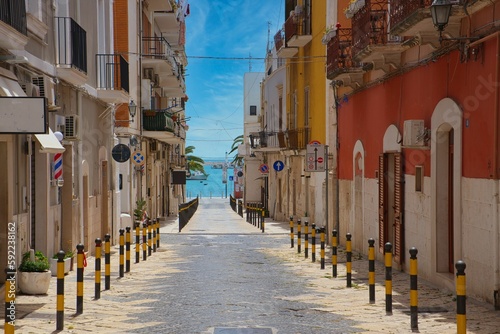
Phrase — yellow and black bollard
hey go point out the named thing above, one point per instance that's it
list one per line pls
(144, 241)
(262, 221)
(121, 266)
(334, 253)
(107, 262)
(306, 239)
(127, 249)
(413, 288)
(98, 245)
(388, 277)
(299, 236)
(60, 291)
(313, 242)
(371, 270)
(291, 231)
(137, 241)
(461, 301)
(10, 299)
(154, 235)
(348, 264)
(157, 233)
(150, 239)
(322, 245)
(79, 278)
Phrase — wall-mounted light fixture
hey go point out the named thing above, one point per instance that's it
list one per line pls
(132, 109)
(440, 12)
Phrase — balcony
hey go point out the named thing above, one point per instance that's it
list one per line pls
(297, 138)
(13, 25)
(71, 51)
(160, 5)
(112, 78)
(160, 59)
(411, 17)
(267, 141)
(159, 125)
(339, 62)
(371, 41)
(297, 31)
(282, 49)
(170, 28)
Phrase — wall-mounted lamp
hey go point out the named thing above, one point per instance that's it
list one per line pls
(132, 109)
(440, 12)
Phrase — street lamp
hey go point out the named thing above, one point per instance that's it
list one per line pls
(132, 109)
(440, 11)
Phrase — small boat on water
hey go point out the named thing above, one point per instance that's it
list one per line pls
(197, 176)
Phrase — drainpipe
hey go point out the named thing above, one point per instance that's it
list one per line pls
(495, 175)
(79, 164)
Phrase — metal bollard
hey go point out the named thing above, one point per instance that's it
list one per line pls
(322, 241)
(150, 239)
(144, 241)
(127, 249)
(371, 269)
(107, 262)
(313, 242)
(306, 239)
(98, 244)
(388, 277)
(154, 235)
(262, 222)
(60, 291)
(299, 240)
(348, 265)
(291, 231)
(121, 266)
(157, 233)
(413, 288)
(334, 253)
(461, 298)
(137, 241)
(10, 299)
(79, 278)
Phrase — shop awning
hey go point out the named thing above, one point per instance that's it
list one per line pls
(49, 143)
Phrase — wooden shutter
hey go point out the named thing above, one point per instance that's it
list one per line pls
(398, 209)
(382, 161)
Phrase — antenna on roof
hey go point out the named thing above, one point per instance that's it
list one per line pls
(268, 35)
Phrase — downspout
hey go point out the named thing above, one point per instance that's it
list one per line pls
(79, 164)
(495, 175)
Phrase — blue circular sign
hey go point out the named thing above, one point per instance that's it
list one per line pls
(264, 168)
(278, 165)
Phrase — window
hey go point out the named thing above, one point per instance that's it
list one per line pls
(419, 178)
(253, 110)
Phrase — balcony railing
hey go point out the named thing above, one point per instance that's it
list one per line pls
(71, 42)
(296, 25)
(278, 39)
(338, 53)
(369, 26)
(158, 48)
(298, 138)
(112, 72)
(401, 10)
(14, 14)
(153, 120)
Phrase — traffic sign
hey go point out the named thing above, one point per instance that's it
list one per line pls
(315, 157)
(120, 153)
(264, 168)
(138, 158)
(278, 165)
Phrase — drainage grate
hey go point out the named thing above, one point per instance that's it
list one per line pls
(243, 331)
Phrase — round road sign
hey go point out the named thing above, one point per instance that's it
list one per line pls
(121, 153)
(138, 158)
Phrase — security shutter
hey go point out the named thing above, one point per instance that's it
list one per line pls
(398, 208)
(382, 209)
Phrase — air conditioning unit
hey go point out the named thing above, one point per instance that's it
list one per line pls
(149, 73)
(146, 94)
(414, 133)
(31, 89)
(46, 88)
(71, 127)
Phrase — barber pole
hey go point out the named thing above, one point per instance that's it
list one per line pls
(58, 165)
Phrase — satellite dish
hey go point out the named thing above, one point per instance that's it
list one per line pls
(133, 140)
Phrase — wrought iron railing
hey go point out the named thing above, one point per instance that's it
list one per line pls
(159, 48)
(369, 26)
(338, 53)
(112, 72)
(400, 10)
(298, 138)
(295, 26)
(14, 14)
(278, 40)
(153, 120)
(71, 44)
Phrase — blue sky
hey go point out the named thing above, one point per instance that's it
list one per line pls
(223, 28)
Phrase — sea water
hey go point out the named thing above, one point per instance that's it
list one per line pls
(213, 186)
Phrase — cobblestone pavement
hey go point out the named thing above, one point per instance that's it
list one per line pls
(222, 275)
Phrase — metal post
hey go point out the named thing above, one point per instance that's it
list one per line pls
(348, 265)
(107, 262)
(137, 241)
(121, 266)
(413, 288)
(299, 240)
(10, 299)
(388, 277)
(127, 249)
(97, 278)
(291, 231)
(371, 270)
(322, 240)
(306, 239)
(313, 242)
(79, 279)
(461, 298)
(144, 241)
(60, 291)
(334, 253)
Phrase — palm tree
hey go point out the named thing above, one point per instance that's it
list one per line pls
(237, 160)
(194, 163)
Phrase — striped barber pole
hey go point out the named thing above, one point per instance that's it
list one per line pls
(58, 166)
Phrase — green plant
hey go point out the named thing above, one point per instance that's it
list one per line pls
(139, 209)
(40, 263)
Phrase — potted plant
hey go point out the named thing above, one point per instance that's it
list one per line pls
(68, 259)
(34, 273)
(140, 211)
